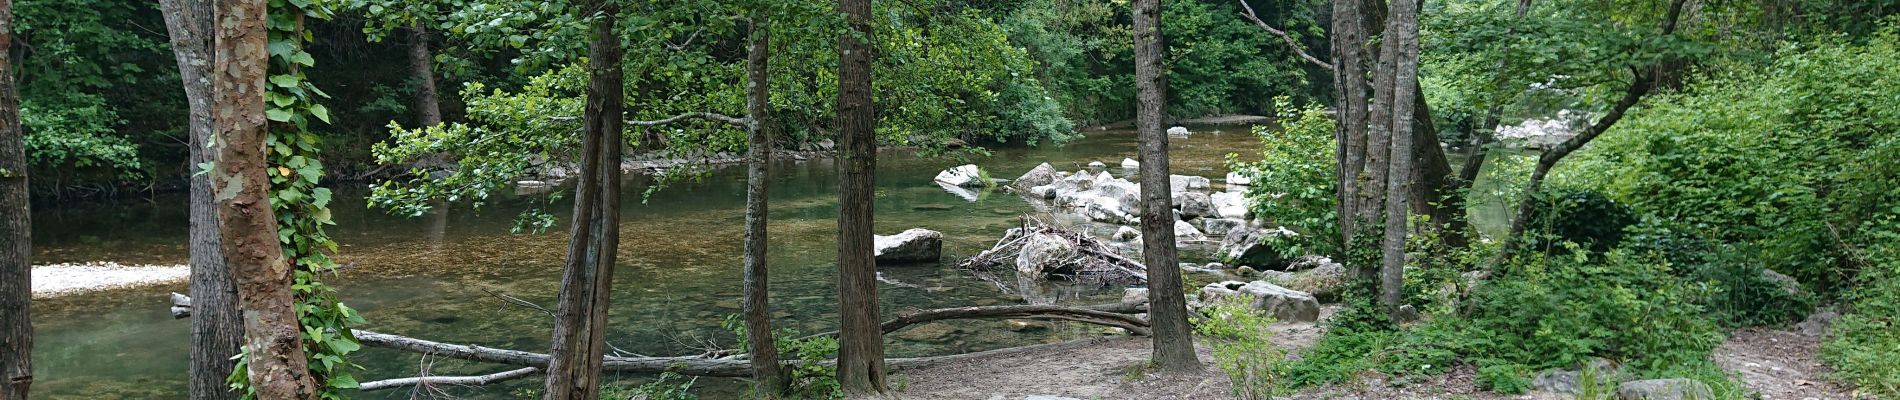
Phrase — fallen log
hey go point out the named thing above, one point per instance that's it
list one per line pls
(477, 380)
(1118, 320)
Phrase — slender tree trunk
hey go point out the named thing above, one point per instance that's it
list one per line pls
(758, 314)
(217, 331)
(1640, 85)
(16, 233)
(1350, 92)
(580, 330)
(1402, 34)
(422, 64)
(1173, 339)
(861, 366)
(246, 224)
(1372, 181)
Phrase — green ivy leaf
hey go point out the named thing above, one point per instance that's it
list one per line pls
(322, 113)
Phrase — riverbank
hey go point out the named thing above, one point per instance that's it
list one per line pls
(55, 280)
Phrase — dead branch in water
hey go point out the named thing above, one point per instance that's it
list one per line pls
(1094, 259)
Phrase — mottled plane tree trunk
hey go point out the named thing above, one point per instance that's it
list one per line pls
(246, 224)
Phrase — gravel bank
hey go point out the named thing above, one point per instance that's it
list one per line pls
(56, 280)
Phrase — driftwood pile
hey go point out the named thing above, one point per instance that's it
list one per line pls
(1091, 259)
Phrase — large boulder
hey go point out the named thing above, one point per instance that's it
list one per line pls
(1246, 245)
(1044, 254)
(917, 245)
(1186, 231)
(1042, 174)
(1229, 204)
(1664, 389)
(1285, 305)
(1182, 183)
(967, 175)
(1219, 226)
(1193, 204)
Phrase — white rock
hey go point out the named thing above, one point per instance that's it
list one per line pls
(1238, 179)
(1178, 131)
(1186, 231)
(1284, 304)
(1182, 183)
(1130, 163)
(917, 245)
(1044, 254)
(1097, 165)
(1230, 204)
(967, 175)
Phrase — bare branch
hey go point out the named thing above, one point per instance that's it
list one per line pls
(736, 122)
(1297, 48)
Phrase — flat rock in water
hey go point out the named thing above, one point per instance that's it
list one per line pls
(967, 175)
(1178, 131)
(917, 245)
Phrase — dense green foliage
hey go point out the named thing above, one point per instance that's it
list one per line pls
(87, 78)
(1218, 62)
(1293, 185)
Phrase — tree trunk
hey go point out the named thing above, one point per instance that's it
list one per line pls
(758, 314)
(1435, 193)
(16, 233)
(217, 333)
(1640, 86)
(246, 224)
(1173, 339)
(1372, 180)
(1350, 92)
(861, 366)
(1402, 34)
(580, 330)
(422, 64)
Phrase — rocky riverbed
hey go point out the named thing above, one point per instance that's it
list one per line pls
(56, 280)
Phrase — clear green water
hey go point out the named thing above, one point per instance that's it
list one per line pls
(678, 276)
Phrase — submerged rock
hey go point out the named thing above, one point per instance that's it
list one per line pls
(1286, 305)
(967, 175)
(917, 245)
(1664, 389)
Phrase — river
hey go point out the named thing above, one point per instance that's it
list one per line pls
(436, 277)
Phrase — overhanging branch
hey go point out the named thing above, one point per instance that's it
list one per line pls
(736, 122)
(1295, 45)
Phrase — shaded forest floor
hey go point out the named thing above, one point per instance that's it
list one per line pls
(1774, 363)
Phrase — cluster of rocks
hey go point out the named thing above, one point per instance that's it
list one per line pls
(1602, 375)
(1102, 197)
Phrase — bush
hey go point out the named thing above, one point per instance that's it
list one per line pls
(1562, 311)
(1238, 334)
(1577, 216)
(1865, 341)
(1294, 183)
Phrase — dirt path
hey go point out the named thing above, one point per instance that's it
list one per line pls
(1780, 363)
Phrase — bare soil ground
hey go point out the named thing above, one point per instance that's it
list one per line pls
(1780, 364)
(1774, 364)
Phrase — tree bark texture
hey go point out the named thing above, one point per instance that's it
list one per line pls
(422, 64)
(1173, 339)
(217, 333)
(580, 330)
(1350, 96)
(1402, 34)
(1645, 80)
(16, 233)
(861, 369)
(246, 224)
(1369, 210)
(756, 308)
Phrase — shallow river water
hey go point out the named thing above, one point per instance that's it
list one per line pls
(437, 277)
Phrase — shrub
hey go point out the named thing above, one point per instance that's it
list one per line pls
(1865, 340)
(1504, 378)
(1294, 183)
(1561, 311)
(1577, 216)
(1238, 334)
